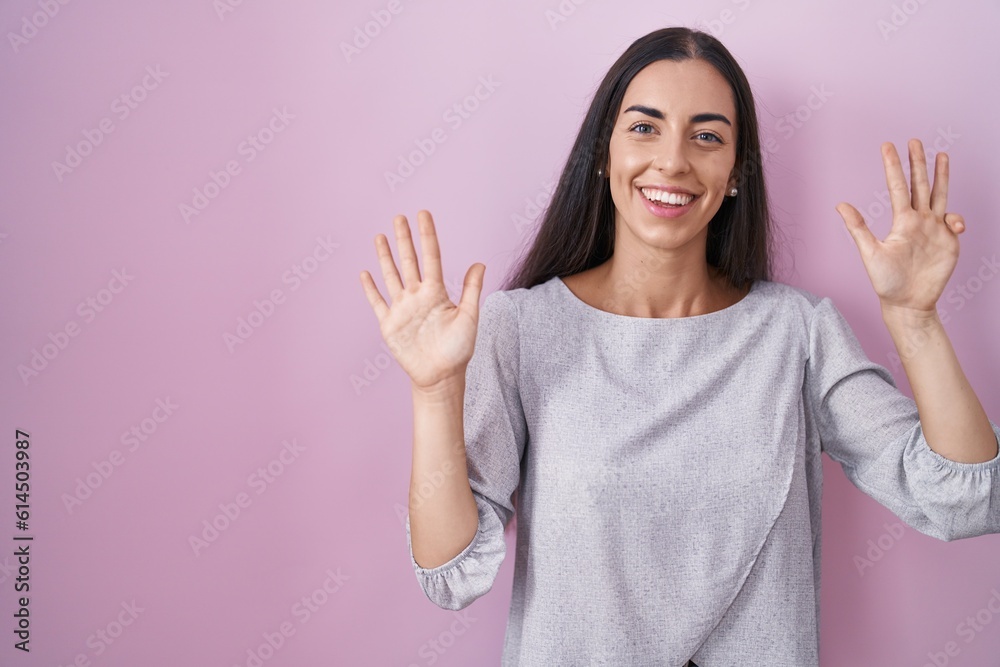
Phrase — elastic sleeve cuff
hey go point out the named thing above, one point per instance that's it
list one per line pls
(470, 574)
(920, 449)
(959, 500)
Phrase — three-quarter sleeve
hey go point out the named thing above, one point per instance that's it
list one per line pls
(873, 431)
(495, 436)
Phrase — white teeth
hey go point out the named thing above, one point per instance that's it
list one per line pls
(667, 197)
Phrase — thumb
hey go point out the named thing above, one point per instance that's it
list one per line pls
(857, 228)
(472, 288)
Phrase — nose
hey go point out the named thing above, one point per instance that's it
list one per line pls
(670, 156)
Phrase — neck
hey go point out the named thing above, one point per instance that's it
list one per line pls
(664, 283)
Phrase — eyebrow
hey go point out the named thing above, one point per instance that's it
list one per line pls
(697, 118)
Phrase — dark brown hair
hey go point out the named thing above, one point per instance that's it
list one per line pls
(577, 229)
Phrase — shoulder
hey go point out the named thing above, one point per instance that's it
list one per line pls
(788, 294)
(830, 339)
(511, 312)
(787, 300)
(801, 313)
(517, 303)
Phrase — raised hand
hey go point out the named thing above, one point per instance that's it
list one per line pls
(911, 267)
(430, 337)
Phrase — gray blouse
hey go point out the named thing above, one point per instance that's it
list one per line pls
(668, 475)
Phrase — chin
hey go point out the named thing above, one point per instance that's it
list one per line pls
(666, 238)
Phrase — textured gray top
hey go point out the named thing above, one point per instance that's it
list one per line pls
(669, 476)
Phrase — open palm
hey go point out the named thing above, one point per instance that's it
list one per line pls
(430, 337)
(910, 268)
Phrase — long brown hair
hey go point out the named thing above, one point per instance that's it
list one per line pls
(577, 229)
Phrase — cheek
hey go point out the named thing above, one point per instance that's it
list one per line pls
(634, 156)
(620, 193)
(720, 166)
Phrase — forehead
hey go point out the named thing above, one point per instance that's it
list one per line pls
(680, 87)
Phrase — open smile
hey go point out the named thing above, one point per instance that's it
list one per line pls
(667, 204)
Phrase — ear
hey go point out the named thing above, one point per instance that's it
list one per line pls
(734, 178)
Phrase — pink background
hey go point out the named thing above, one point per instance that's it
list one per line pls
(334, 503)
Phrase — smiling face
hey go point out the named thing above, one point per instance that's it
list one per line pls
(675, 130)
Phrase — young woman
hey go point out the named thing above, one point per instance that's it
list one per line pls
(654, 406)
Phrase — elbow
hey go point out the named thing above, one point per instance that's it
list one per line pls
(467, 577)
(458, 586)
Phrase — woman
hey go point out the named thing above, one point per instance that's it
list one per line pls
(657, 406)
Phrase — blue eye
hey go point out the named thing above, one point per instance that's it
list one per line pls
(641, 124)
(709, 134)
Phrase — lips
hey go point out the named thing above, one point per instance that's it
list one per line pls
(682, 203)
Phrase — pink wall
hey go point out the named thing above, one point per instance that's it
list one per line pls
(137, 303)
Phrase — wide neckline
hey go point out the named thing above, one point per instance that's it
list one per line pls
(597, 312)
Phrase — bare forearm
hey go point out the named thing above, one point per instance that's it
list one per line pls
(443, 513)
(951, 416)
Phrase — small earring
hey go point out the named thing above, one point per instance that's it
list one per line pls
(732, 192)
(600, 172)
